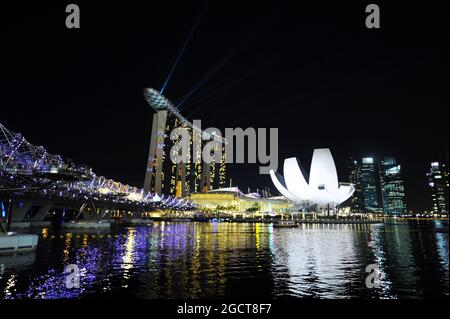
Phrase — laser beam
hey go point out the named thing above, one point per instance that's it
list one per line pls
(183, 48)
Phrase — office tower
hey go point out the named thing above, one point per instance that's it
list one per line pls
(357, 200)
(368, 182)
(392, 188)
(439, 184)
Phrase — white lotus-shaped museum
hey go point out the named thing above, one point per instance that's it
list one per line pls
(323, 187)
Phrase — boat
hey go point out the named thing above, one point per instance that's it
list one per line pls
(12, 242)
(285, 223)
(181, 220)
(141, 221)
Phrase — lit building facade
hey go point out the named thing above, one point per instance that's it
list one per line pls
(392, 187)
(163, 176)
(235, 203)
(322, 190)
(368, 182)
(439, 187)
(357, 200)
(379, 186)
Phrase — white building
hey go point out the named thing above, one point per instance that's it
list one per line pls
(323, 188)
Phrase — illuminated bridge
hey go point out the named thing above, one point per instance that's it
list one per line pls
(32, 181)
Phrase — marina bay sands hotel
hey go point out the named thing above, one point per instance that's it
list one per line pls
(163, 176)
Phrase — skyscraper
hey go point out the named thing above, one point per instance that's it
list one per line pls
(166, 177)
(368, 182)
(378, 186)
(357, 200)
(439, 186)
(392, 188)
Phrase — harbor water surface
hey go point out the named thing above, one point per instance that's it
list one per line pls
(234, 260)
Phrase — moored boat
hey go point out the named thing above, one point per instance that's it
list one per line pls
(285, 223)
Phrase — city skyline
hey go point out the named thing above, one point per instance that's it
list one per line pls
(239, 68)
(379, 185)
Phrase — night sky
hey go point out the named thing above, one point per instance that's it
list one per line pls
(315, 72)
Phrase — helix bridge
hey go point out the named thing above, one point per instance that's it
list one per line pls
(30, 171)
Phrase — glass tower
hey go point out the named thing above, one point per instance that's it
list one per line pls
(439, 184)
(357, 200)
(368, 182)
(392, 188)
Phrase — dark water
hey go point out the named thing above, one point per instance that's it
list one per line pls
(224, 260)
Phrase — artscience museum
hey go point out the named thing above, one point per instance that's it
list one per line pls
(321, 190)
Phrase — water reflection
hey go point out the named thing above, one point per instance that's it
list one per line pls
(220, 260)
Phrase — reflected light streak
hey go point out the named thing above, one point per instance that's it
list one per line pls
(128, 257)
